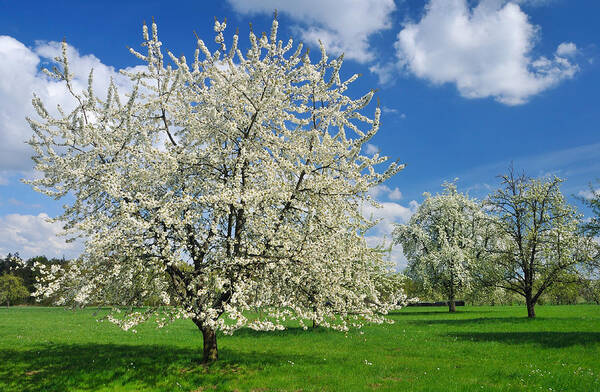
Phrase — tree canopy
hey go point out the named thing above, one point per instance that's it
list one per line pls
(231, 182)
(443, 240)
(538, 238)
(591, 199)
(12, 289)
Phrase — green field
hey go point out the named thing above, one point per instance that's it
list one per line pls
(426, 349)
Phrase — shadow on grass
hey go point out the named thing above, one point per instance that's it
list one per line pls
(288, 331)
(407, 312)
(546, 339)
(93, 366)
(490, 320)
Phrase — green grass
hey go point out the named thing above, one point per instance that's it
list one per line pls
(427, 349)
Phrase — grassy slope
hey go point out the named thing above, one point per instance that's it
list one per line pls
(478, 348)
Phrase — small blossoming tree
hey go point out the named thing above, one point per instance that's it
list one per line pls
(443, 241)
(230, 183)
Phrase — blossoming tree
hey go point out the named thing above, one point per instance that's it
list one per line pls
(230, 183)
(443, 241)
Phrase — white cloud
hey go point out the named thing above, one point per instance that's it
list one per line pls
(386, 109)
(535, 3)
(588, 194)
(485, 50)
(396, 255)
(33, 235)
(371, 149)
(395, 194)
(380, 191)
(385, 72)
(566, 49)
(388, 215)
(20, 78)
(344, 26)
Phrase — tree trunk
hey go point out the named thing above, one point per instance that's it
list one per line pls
(209, 338)
(452, 306)
(530, 306)
(452, 299)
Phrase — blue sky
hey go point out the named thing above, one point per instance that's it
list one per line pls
(466, 86)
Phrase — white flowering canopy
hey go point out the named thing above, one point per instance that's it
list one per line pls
(443, 241)
(220, 186)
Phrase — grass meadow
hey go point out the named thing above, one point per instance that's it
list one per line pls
(426, 349)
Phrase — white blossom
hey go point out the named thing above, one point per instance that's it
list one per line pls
(219, 187)
(443, 241)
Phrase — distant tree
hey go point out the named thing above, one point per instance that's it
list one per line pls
(591, 227)
(539, 242)
(442, 242)
(490, 295)
(566, 291)
(12, 289)
(8, 263)
(25, 270)
(590, 291)
(414, 289)
(591, 199)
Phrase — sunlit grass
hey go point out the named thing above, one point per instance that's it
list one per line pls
(427, 349)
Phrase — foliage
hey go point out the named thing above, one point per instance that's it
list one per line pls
(590, 291)
(426, 349)
(593, 203)
(491, 295)
(567, 290)
(246, 168)
(12, 289)
(25, 270)
(538, 239)
(443, 241)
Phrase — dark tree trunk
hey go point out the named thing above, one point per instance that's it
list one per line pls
(530, 309)
(530, 305)
(452, 298)
(452, 306)
(209, 338)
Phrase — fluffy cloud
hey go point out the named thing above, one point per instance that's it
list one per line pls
(566, 49)
(389, 214)
(344, 26)
(33, 235)
(371, 149)
(21, 78)
(535, 3)
(383, 190)
(589, 194)
(484, 50)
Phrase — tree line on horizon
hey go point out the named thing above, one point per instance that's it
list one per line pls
(18, 278)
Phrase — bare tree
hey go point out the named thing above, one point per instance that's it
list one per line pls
(538, 240)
